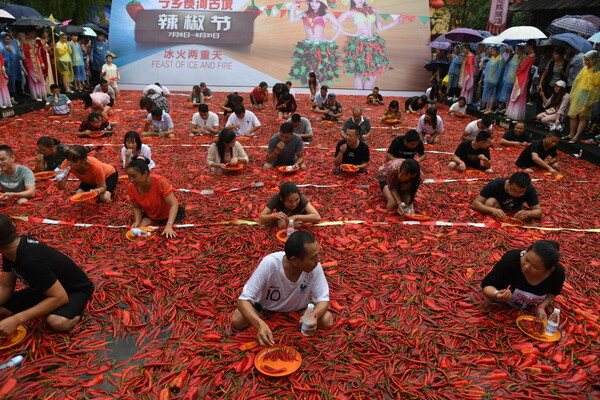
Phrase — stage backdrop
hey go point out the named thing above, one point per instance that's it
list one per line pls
(240, 43)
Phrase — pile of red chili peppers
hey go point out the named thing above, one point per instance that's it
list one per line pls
(409, 319)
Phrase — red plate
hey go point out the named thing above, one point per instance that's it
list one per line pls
(418, 217)
(277, 367)
(459, 115)
(511, 221)
(44, 175)
(84, 196)
(349, 167)
(287, 169)
(586, 142)
(236, 167)
(96, 134)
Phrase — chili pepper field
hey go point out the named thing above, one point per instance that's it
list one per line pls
(410, 321)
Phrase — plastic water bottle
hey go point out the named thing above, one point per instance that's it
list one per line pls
(13, 362)
(290, 228)
(308, 319)
(140, 232)
(552, 323)
(63, 174)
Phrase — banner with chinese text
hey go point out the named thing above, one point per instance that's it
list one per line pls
(348, 44)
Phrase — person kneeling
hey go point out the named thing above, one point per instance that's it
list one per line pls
(95, 123)
(56, 287)
(527, 278)
(509, 194)
(473, 154)
(285, 281)
(399, 180)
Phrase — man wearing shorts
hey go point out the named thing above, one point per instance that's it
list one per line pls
(56, 287)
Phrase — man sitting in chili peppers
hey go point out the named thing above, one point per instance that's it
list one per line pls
(56, 287)
(283, 282)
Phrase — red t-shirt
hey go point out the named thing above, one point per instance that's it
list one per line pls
(153, 203)
(96, 173)
(258, 94)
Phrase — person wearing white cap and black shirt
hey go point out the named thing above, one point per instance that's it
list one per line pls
(556, 106)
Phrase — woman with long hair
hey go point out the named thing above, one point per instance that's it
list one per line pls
(556, 106)
(365, 52)
(316, 53)
(430, 124)
(399, 180)
(226, 150)
(134, 148)
(34, 66)
(466, 80)
(51, 153)
(518, 97)
(508, 79)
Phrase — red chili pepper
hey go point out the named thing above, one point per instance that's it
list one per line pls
(248, 346)
(177, 383)
(93, 382)
(8, 387)
(211, 337)
(100, 370)
(164, 394)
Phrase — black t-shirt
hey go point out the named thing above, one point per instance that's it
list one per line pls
(525, 160)
(399, 150)
(511, 136)
(377, 96)
(275, 203)
(39, 266)
(352, 156)
(508, 271)
(496, 190)
(468, 154)
(413, 102)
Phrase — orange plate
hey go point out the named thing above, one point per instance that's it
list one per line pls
(43, 175)
(522, 324)
(327, 122)
(236, 167)
(418, 217)
(284, 169)
(511, 221)
(55, 116)
(95, 134)
(428, 146)
(282, 235)
(391, 121)
(349, 167)
(243, 138)
(459, 115)
(289, 366)
(474, 172)
(586, 142)
(124, 177)
(84, 196)
(189, 104)
(15, 338)
(280, 119)
(129, 235)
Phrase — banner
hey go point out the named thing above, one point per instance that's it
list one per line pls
(347, 43)
(498, 16)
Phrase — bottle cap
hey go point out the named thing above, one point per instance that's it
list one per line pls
(310, 306)
(556, 310)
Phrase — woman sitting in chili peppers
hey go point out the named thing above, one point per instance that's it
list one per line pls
(152, 198)
(93, 174)
(399, 180)
(528, 278)
(286, 204)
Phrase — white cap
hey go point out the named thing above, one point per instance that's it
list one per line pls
(556, 310)
(560, 83)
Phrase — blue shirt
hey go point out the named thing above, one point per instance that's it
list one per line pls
(98, 54)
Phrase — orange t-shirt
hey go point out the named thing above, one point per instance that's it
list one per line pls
(153, 203)
(97, 172)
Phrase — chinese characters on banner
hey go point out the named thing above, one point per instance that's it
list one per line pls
(197, 27)
(197, 4)
(498, 16)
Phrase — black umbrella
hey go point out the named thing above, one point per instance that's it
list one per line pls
(70, 29)
(32, 21)
(96, 28)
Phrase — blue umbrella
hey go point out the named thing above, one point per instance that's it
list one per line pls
(575, 41)
(572, 23)
(21, 11)
(441, 45)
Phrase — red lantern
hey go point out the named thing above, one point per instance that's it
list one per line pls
(436, 4)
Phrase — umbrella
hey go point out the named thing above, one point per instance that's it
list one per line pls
(21, 11)
(520, 33)
(95, 28)
(70, 29)
(572, 23)
(492, 40)
(593, 19)
(87, 31)
(576, 42)
(441, 45)
(32, 21)
(464, 35)
(595, 38)
(433, 65)
(5, 16)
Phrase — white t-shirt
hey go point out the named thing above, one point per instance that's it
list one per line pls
(428, 129)
(157, 89)
(457, 108)
(144, 152)
(248, 122)
(111, 72)
(472, 129)
(212, 121)
(269, 286)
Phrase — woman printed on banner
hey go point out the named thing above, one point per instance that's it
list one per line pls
(365, 52)
(316, 53)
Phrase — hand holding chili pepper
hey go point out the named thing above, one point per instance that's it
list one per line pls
(523, 214)
(498, 213)
(265, 336)
(503, 295)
